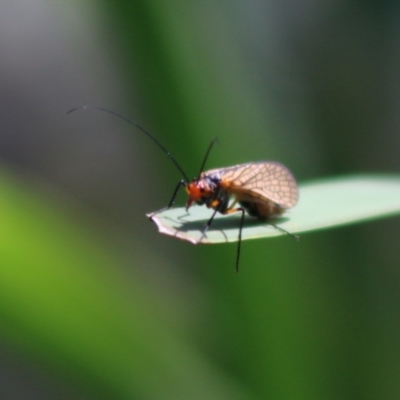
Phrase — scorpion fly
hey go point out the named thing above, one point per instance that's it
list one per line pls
(263, 189)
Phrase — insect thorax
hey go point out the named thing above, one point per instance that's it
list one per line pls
(212, 194)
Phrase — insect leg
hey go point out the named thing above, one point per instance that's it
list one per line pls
(240, 240)
(284, 231)
(171, 202)
(208, 224)
(231, 211)
(228, 211)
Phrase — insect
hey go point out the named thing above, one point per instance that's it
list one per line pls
(263, 189)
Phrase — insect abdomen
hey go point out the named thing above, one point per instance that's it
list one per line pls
(262, 210)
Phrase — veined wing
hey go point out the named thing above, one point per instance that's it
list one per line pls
(265, 180)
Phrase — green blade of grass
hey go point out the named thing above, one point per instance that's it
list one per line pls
(323, 204)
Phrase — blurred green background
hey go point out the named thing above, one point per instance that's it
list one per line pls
(94, 303)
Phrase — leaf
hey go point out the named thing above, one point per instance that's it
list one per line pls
(323, 204)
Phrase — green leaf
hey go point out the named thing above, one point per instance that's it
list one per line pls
(323, 204)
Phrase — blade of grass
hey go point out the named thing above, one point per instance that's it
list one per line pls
(323, 204)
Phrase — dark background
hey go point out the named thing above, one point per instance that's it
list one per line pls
(93, 302)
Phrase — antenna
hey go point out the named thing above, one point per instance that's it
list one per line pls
(210, 146)
(161, 146)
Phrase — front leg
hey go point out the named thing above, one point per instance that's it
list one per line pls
(171, 202)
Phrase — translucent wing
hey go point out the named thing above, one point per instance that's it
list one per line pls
(265, 181)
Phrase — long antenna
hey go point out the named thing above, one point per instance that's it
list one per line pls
(161, 146)
(210, 146)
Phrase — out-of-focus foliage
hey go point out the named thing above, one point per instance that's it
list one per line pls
(95, 304)
(65, 302)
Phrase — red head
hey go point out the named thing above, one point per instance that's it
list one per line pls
(198, 190)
